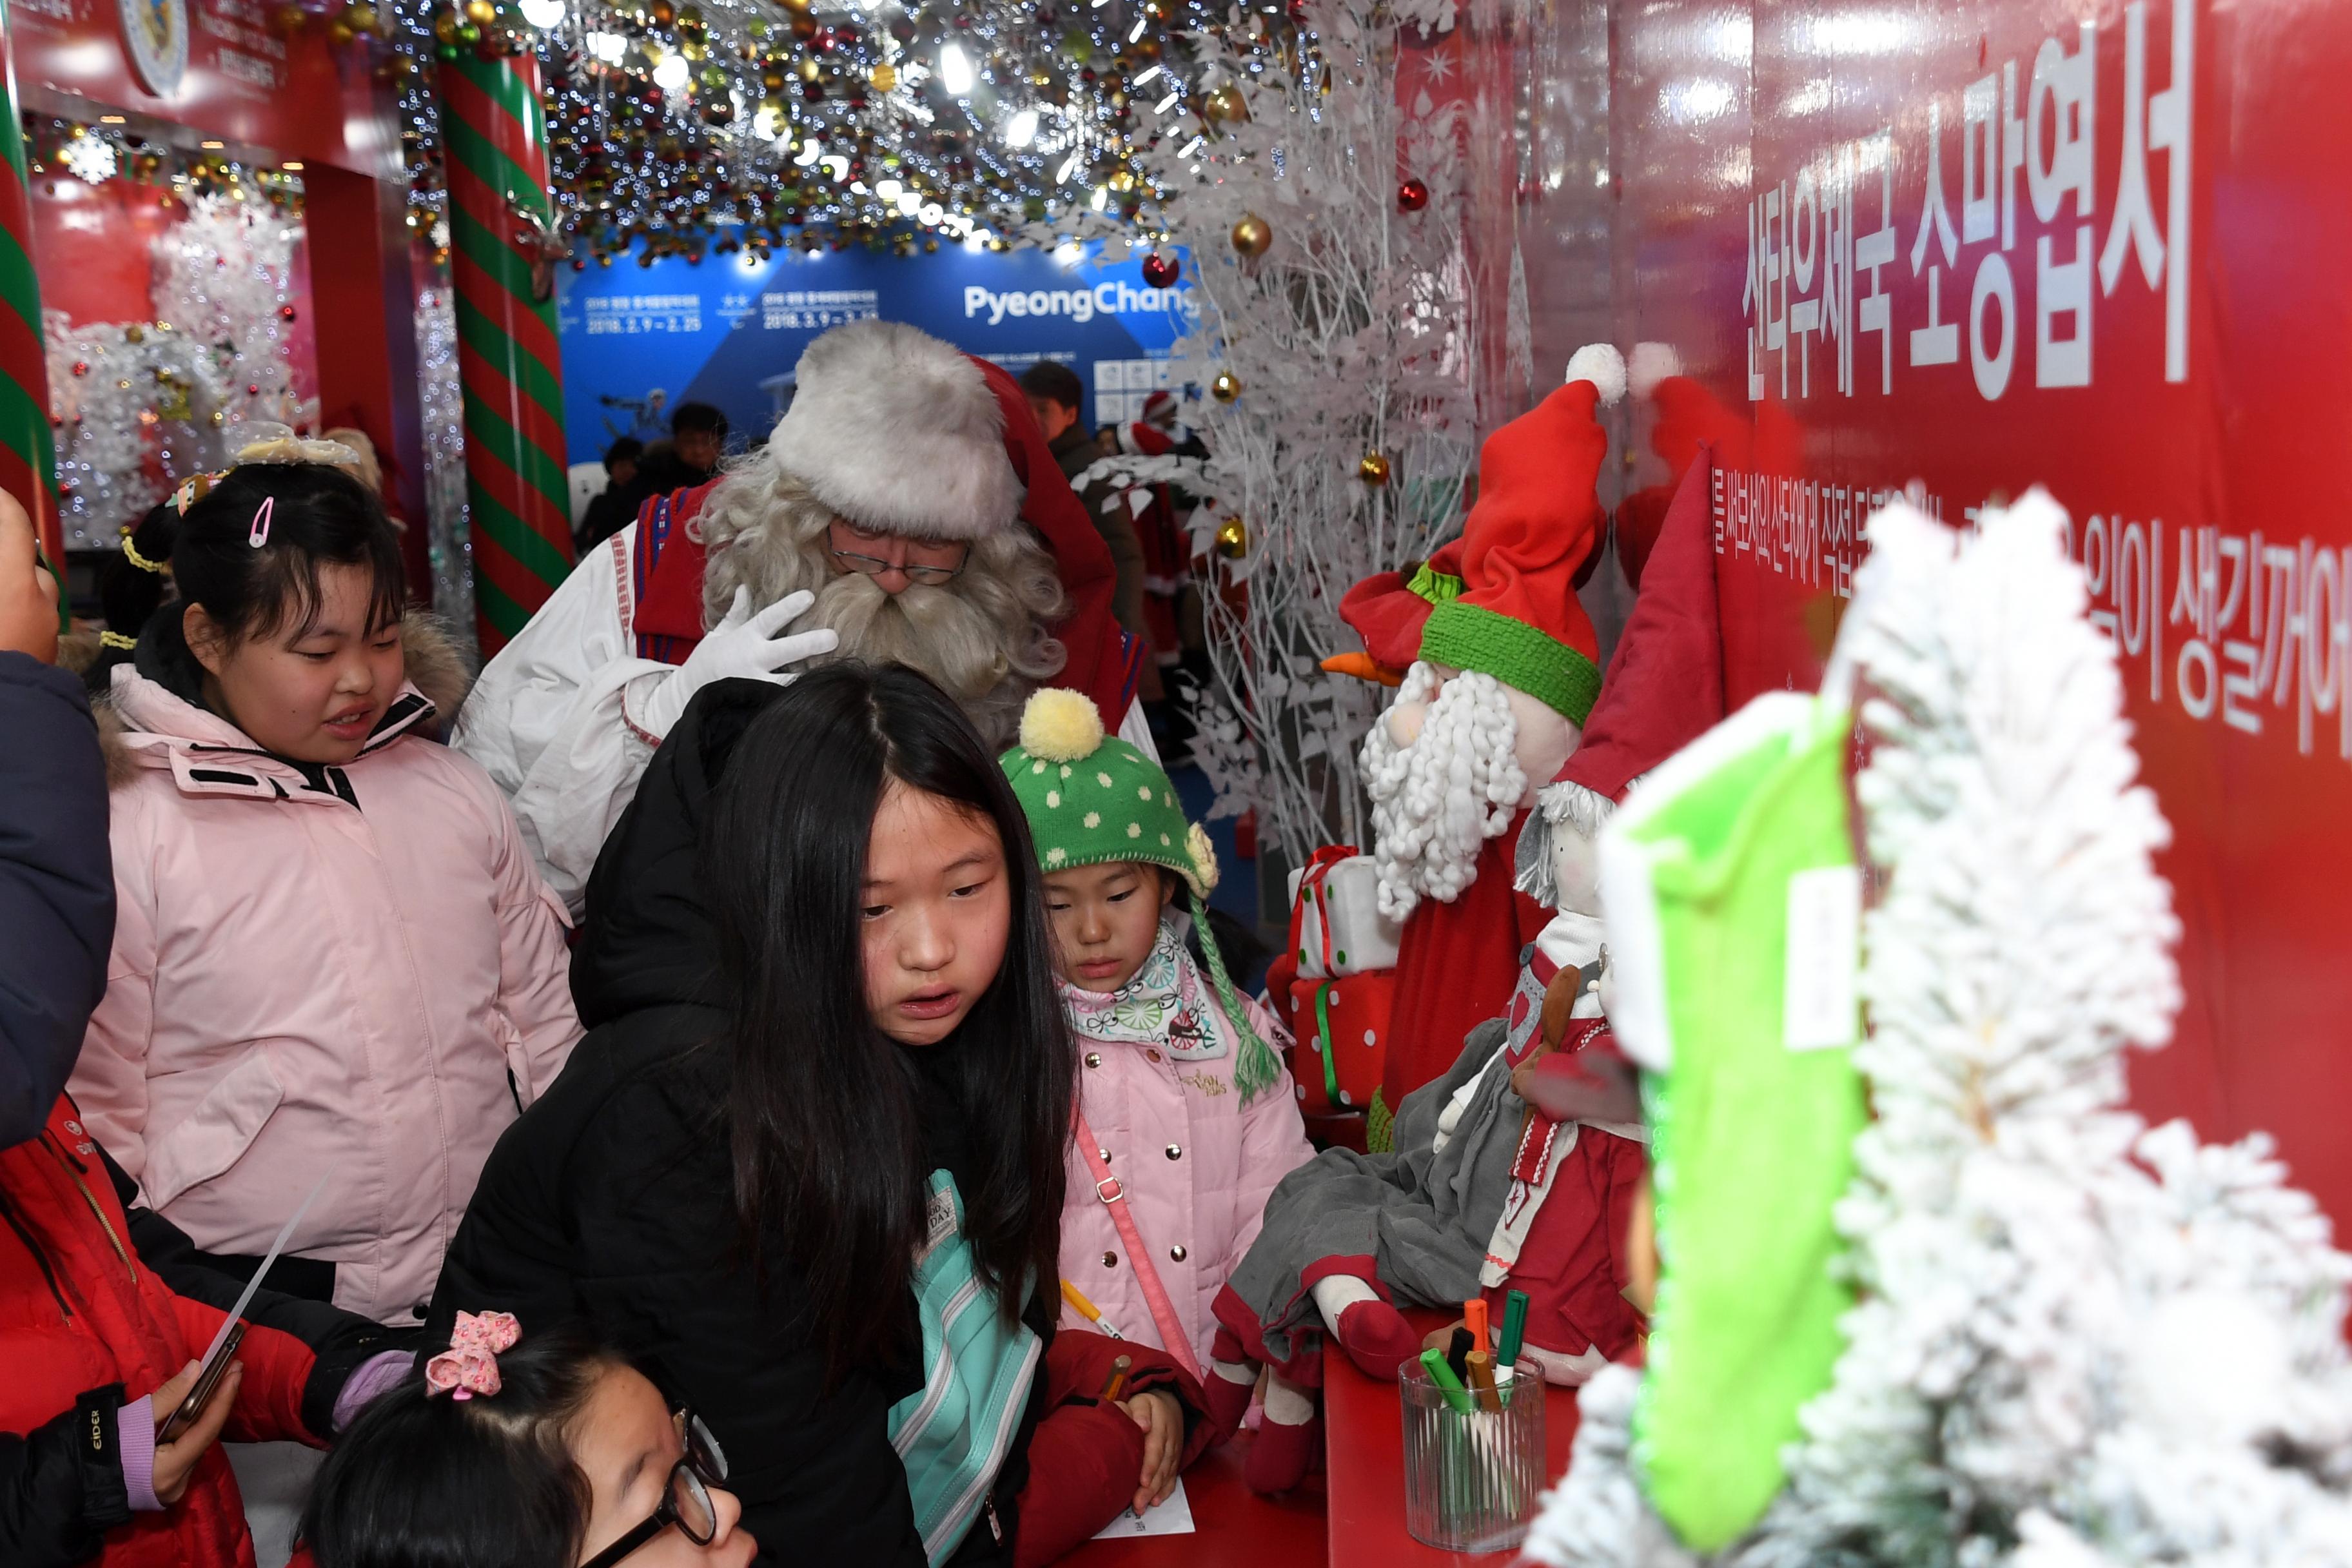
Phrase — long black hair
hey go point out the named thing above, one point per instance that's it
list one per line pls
(424, 1480)
(829, 1165)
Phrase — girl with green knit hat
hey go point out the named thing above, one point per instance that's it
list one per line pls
(1186, 1120)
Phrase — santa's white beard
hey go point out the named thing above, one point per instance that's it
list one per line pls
(1436, 802)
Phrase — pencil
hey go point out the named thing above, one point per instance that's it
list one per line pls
(1117, 1379)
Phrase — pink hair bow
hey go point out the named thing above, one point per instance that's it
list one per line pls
(470, 1365)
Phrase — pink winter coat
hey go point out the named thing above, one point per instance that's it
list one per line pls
(1196, 1166)
(356, 973)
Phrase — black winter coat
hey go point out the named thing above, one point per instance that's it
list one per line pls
(609, 1200)
(57, 886)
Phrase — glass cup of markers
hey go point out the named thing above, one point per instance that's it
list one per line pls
(1473, 1444)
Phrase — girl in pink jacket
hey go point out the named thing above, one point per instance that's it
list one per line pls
(1186, 1120)
(334, 964)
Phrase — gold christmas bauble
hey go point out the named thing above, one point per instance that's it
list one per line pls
(1233, 539)
(884, 77)
(1374, 469)
(1226, 387)
(481, 13)
(1223, 105)
(360, 16)
(1253, 234)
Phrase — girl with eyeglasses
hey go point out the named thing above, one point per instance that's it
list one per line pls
(554, 1453)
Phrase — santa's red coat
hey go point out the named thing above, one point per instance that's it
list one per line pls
(1574, 1265)
(1457, 965)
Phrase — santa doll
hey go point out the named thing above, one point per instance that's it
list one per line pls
(1517, 1167)
(905, 509)
(1502, 677)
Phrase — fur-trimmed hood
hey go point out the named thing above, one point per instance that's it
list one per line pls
(436, 672)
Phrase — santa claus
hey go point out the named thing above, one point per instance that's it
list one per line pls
(905, 509)
(1502, 673)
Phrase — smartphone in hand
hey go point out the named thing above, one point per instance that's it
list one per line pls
(208, 1379)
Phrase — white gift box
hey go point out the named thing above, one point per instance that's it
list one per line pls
(1362, 939)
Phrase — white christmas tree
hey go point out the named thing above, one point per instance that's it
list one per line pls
(141, 406)
(2080, 1343)
(1329, 369)
(223, 276)
(449, 532)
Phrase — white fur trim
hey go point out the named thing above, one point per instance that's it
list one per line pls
(1650, 364)
(1603, 366)
(899, 432)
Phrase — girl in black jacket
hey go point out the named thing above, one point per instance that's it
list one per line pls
(807, 1166)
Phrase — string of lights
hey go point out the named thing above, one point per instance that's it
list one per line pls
(725, 125)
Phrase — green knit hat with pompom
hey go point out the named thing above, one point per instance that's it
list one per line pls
(1091, 800)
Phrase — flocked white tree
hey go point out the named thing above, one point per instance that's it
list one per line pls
(449, 532)
(1344, 337)
(2080, 1343)
(141, 405)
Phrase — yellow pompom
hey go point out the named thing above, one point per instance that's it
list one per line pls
(1204, 858)
(1060, 726)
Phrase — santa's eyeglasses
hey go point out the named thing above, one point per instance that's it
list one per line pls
(930, 574)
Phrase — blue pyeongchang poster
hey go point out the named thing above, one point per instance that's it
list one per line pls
(638, 341)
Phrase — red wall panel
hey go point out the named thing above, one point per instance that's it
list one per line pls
(2177, 370)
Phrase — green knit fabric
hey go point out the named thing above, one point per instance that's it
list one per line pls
(1114, 804)
(1467, 636)
(1437, 587)
(1117, 804)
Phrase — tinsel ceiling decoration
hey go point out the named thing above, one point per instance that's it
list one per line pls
(66, 149)
(697, 126)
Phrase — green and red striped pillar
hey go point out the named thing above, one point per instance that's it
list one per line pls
(29, 458)
(495, 134)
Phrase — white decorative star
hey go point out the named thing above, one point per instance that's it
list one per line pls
(1438, 65)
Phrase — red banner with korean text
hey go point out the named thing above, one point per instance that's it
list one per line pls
(229, 69)
(2090, 244)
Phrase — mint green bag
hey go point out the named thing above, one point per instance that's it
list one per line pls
(953, 1434)
(1733, 905)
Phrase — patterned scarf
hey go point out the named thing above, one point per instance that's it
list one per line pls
(1164, 1004)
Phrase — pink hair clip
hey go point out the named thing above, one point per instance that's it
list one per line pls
(258, 535)
(470, 1365)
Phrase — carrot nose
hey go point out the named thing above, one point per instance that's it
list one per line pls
(1364, 667)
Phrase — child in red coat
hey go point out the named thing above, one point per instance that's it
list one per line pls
(94, 1344)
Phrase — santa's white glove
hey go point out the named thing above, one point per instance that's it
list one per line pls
(743, 645)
